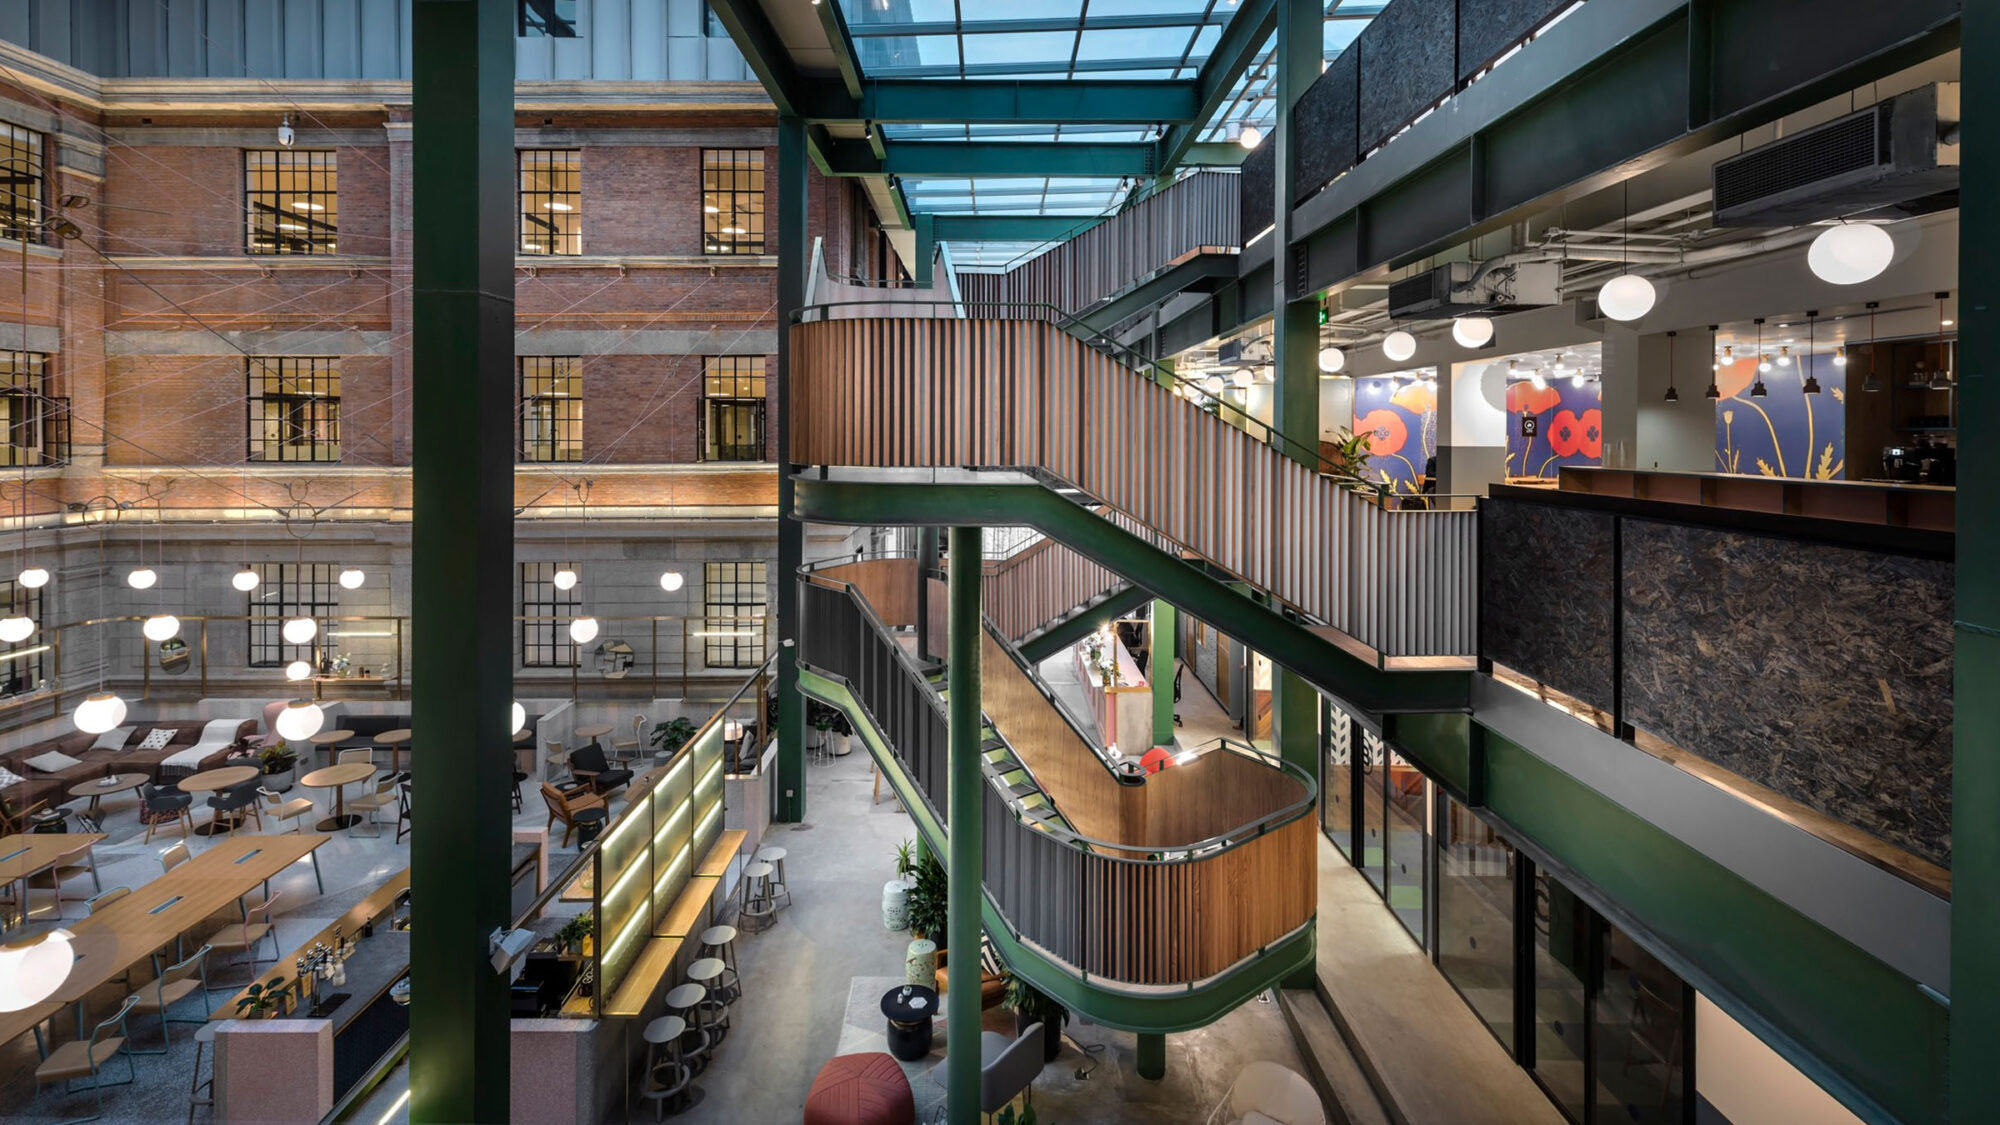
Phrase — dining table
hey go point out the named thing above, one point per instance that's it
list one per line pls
(338, 777)
(210, 781)
(395, 740)
(28, 854)
(104, 787)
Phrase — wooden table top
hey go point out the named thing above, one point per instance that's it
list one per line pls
(223, 778)
(120, 782)
(379, 902)
(334, 776)
(27, 853)
(329, 737)
(392, 737)
(593, 731)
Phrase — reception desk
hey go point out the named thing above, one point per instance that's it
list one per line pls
(1124, 710)
(1889, 503)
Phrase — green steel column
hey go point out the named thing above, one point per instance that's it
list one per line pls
(1152, 1056)
(793, 253)
(968, 787)
(462, 535)
(1166, 622)
(1295, 323)
(1975, 885)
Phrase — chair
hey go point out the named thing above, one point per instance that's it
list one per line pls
(175, 983)
(357, 754)
(281, 810)
(164, 803)
(103, 899)
(1178, 669)
(271, 737)
(564, 806)
(588, 764)
(992, 983)
(383, 796)
(173, 857)
(71, 863)
(558, 757)
(244, 937)
(1007, 1069)
(1265, 1091)
(234, 805)
(626, 749)
(403, 809)
(85, 1058)
(14, 822)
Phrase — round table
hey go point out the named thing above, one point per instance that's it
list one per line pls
(395, 740)
(338, 778)
(909, 1009)
(209, 781)
(329, 737)
(116, 783)
(593, 733)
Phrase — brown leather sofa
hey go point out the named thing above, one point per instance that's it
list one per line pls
(54, 787)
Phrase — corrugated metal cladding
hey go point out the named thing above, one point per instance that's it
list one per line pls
(639, 40)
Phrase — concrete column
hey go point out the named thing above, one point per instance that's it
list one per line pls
(968, 787)
(1675, 435)
(1166, 623)
(1472, 426)
(793, 254)
(1621, 393)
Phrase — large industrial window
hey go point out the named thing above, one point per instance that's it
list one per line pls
(551, 408)
(294, 405)
(24, 663)
(732, 201)
(551, 201)
(291, 201)
(733, 603)
(33, 426)
(732, 408)
(285, 591)
(545, 615)
(20, 183)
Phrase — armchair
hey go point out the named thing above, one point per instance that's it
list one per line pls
(565, 806)
(992, 984)
(588, 764)
(1007, 1068)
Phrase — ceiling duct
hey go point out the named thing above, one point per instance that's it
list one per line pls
(1895, 159)
(1462, 288)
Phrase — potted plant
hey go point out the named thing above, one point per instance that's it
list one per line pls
(575, 932)
(1031, 1006)
(926, 904)
(670, 736)
(906, 860)
(260, 1001)
(280, 764)
(1348, 465)
(840, 732)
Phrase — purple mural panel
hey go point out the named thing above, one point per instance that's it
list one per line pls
(1784, 432)
(1553, 425)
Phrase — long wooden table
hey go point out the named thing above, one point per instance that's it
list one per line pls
(125, 932)
(28, 854)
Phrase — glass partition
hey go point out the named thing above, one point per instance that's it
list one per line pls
(1475, 908)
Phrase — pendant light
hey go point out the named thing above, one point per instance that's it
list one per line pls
(672, 580)
(33, 968)
(1713, 392)
(1871, 384)
(517, 717)
(1472, 331)
(1757, 389)
(102, 710)
(1850, 253)
(352, 578)
(1672, 395)
(565, 579)
(582, 628)
(1332, 359)
(1627, 296)
(17, 626)
(300, 720)
(30, 577)
(1399, 346)
(1812, 335)
(298, 670)
(161, 627)
(246, 579)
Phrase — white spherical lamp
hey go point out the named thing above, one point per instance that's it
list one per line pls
(672, 580)
(1399, 346)
(1850, 253)
(161, 626)
(300, 630)
(1472, 331)
(298, 670)
(33, 969)
(352, 578)
(1332, 360)
(517, 717)
(583, 630)
(34, 578)
(1213, 384)
(565, 579)
(300, 720)
(142, 578)
(1251, 136)
(99, 713)
(1243, 377)
(1626, 297)
(16, 628)
(245, 580)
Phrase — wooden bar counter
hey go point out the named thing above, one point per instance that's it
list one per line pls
(1929, 507)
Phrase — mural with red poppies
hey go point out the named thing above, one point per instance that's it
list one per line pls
(1398, 417)
(1568, 425)
(1784, 432)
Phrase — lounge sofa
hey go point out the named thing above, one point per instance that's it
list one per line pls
(164, 764)
(365, 728)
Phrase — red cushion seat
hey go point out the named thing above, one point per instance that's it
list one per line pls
(865, 1089)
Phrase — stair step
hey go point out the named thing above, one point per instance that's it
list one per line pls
(1343, 1086)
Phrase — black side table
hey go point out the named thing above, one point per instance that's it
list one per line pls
(589, 823)
(909, 1010)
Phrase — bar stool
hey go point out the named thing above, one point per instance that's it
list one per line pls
(714, 1006)
(758, 908)
(203, 1036)
(665, 1034)
(720, 941)
(775, 856)
(685, 1002)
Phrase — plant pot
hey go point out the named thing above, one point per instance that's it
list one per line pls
(280, 780)
(1051, 1037)
(841, 747)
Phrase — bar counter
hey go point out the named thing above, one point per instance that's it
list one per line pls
(1928, 507)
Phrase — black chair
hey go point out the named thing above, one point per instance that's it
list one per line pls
(236, 803)
(165, 803)
(588, 763)
(403, 809)
(1178, 669)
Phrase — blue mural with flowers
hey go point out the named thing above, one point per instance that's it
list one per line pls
(1564, 425)
(1785, 432)
(1398, 415)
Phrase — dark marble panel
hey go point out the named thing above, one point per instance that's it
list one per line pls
(1545, 595)
(1492, 26)
(1821, 672)
(1409, 60)
(1328, 124)
(1257, 191)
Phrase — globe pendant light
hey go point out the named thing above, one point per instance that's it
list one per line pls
(1850, 253)
(1672, 395)
(1763, 365)
(1242, 378)
(246, 579)
(142, 578)
(352, 578)
(1251, 137)
(1472, 331)
(161, 626)
(31, 970)
(16, 628)
(34, 578)
(673, 580)
(1627, 296)
(1331, 360)
(99, 713)
(1213, 384)
(565, 579)
(300, 630)
(517, 717)
(583, 630)
(1399, 346)
(300, 720)
(298, 670)
(1811, 386)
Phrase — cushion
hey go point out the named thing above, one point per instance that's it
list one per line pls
(113, 739)
(9, 777)
(867, 1089)
(157, 738)
(52, 762)
(989, 958)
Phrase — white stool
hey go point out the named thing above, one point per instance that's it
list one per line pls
(714, 1006)
(775, 856)
(665, 1034)
(720, 941)
(687, 999)
(758, 908)
(203, 1036)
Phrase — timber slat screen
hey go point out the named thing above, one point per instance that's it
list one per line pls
(1039, 585)
(1195, 214)
(1021, 394)
(1129, 920)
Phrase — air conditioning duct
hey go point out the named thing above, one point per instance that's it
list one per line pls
(1895, 159)
(1467, 288)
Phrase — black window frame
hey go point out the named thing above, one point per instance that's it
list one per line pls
(548, 410)
(732, 201)
(533, 201)
(284, 591)
(22, 200)
(732, 382)
(34, 430)
(545, 643)
(32, 667)
(295, 196)
(724, 616)
(300, 413)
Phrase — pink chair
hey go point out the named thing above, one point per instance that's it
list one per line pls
(271, 736)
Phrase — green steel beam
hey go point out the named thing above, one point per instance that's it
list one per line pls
(1151, 1011)
(835, 25)
(462, 539)
(772, 63)
(1200, 272)
(989, 158)
(964, 894)
(1070, 630)
(999, 101)
(1215, 154)
(794, 253)
(1231, 56)
(1010, 228)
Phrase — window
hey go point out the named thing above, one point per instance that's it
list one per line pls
(732, 201)
(733, 602)
(20, 183)
(289, 590)
(290, 200)
(1408, 836)
(545, 614)
(34, 428)
(711, 24)
(555, 19)
(732, 408)
(294, 404)
(1475, 906)
(551, 201)
(1338, 735)
(23, 664)
(551, 408)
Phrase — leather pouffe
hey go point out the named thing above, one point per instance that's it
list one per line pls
(865, 1089)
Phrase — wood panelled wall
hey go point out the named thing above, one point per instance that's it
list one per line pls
(1040, 584)
(889, 586)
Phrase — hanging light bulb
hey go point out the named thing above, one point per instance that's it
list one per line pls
(1213, 384)
(1763, 362)
(300, 630)
(1784, 356)
(1536, 380)
(1850, 253)
(1399, 346)
(1672, 395)
(1472, 331)
(99, 713)
(1626, 297)
(1430, 383)
(33, 968)
(1251, 137)
(1840, 357)
(1578, 380)
(142, 578)
(517, 716)
(34, 578)
(1332, 360)
(352, 578)
(16, 628)
(246, 579)
(286, 136)
(583, 630)
(565, 579)
(673, 580)
(298, 670)
(1242, 377)
(161, 626)
(300, 720)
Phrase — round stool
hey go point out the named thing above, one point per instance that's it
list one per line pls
(686, 1001)
(714, 1006)
(720, 941)
(203, 1036)
(664, 1034)
(758, 907)
(775, 856)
